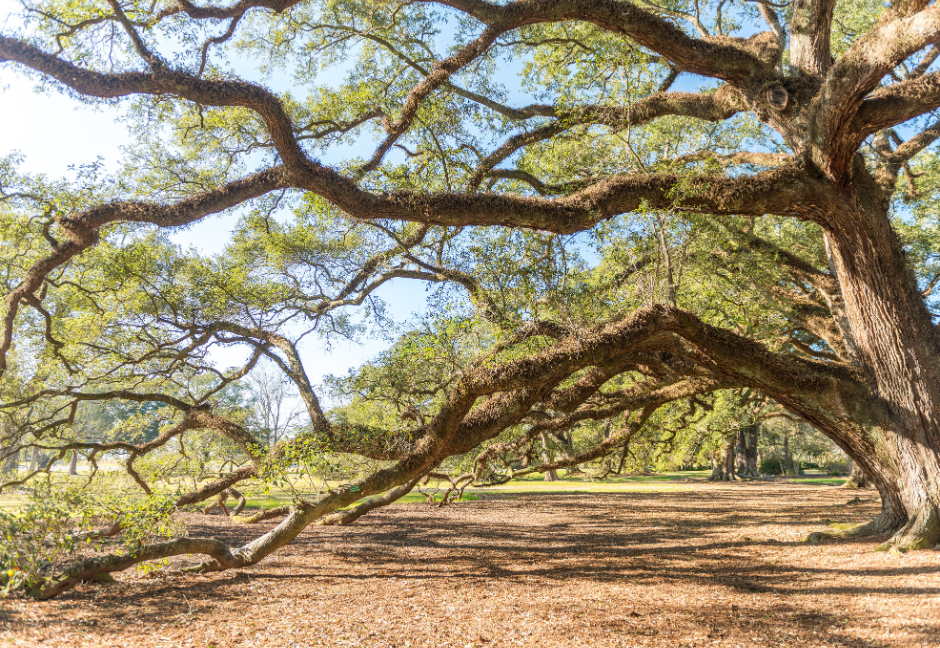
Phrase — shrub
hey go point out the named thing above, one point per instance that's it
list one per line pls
(836, 466)
(59, 523)
(35, 539)
(771, 466)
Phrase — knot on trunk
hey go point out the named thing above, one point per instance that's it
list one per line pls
(778, 97)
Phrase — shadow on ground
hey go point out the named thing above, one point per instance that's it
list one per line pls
(720, 565)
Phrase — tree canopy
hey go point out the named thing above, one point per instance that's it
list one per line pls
(622, 210)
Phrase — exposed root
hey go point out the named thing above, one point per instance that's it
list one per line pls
(922, 531)
(886, 522)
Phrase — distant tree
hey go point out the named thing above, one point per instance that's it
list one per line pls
(275, 408)
(10, 445)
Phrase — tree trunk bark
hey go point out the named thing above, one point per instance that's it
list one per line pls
(728, 473)
(567, 451)
(897, 347)
(33, 459)
(746, 452)
(73, 463)
(751, 457)
(550, 475)
(723, 462)
(787, 459)
(713, 456)
(857, 477)
(740, 454)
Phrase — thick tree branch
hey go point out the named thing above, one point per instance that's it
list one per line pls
(217, 12)
(855, 75)
(730, 59)
(810, 29)
(164, 81)
(82, 232)
(898, 103)
(732, 159)
(720, 106)
(783, 191)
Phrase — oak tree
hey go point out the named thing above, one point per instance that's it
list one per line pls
(788, 148)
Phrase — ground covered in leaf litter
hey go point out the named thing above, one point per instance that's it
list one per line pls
(709, 565)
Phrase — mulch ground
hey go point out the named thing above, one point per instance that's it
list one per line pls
(717, 565)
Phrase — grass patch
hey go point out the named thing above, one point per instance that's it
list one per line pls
(533, 483)
(660, 482)
(582, 487)
(831, 481)
(282, 499)
(582, 478)
(11, 502)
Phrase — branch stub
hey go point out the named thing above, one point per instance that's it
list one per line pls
(778, 98)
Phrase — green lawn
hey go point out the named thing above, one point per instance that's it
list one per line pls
(661, 482)
(657, 482)
(281, 498)
(814, 476)
(832, 481)
(9, 502)
(579, 483)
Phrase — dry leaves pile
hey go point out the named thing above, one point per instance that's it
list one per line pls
(717, 565)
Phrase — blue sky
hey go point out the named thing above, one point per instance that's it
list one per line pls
(54, 131)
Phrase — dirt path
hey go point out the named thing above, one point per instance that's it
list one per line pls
(720, 565)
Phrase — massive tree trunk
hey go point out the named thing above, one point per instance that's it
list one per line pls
(728, 461)
(713, 457)
(746, 452)
(787, 468)
(857, 477)
(723, 462)
(896, 346)
(550, 475)
(740, 453)
(905, 473)
(751, 453)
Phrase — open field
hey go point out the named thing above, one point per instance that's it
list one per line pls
(714, 565)
(534, 483)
